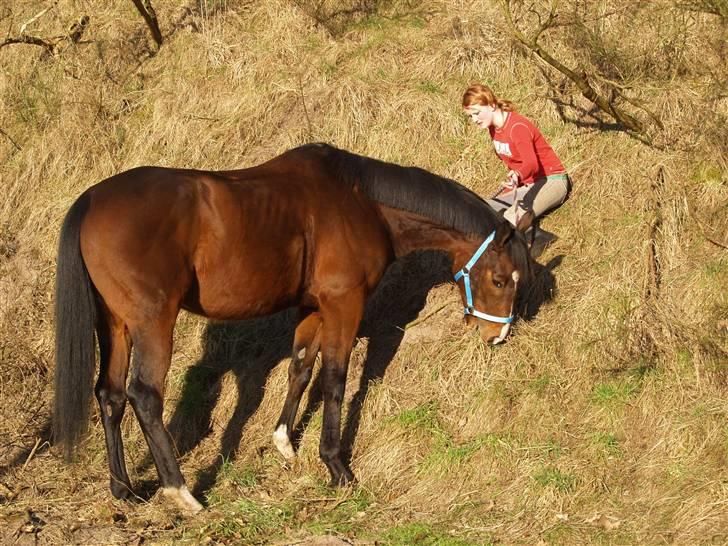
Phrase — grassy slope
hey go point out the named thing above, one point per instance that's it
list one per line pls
(602, 421)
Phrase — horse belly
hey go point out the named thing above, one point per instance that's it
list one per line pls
(254, 280)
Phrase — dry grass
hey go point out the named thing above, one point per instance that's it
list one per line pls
(603, 421)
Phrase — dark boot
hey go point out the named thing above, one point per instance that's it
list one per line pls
(540, 240)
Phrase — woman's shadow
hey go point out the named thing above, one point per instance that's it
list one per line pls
(251, 349)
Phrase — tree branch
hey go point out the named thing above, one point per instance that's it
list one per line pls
(581, 79)
(75, 32)
(32, 40)
(150, 18)
(17, 146)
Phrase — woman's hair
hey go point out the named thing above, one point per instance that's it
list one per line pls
(483, 95)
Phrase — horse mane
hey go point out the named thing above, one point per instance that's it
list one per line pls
(412, 189)
(419, 191)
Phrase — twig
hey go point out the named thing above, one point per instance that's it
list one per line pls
(701, 226)
(36, 17)
(17, 147)
(31, 454)
(423, 319)
(653, 259)
(305, 110)
(75, 32)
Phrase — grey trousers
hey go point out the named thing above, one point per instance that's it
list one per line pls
(543, 195)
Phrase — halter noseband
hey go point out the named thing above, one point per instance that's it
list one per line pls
(465, 274)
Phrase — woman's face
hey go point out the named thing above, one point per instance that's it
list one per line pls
(481, 115)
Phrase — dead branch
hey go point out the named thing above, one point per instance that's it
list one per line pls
(654, 267)
(150, 18)
(32, 40)
(581, 79)
(17, 146)
(75, 32)
(701, 226)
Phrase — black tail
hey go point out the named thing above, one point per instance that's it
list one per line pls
(75, 346)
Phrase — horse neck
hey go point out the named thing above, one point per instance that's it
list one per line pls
(411, 232)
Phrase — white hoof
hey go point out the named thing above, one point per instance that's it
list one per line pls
(282, 443)
(183, 498)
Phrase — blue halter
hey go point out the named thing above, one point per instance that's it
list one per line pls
(465, 274)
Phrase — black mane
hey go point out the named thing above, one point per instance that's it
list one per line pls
(415, 190)
(419, 191)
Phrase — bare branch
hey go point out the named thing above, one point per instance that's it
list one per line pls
(17, 146)
(150, 18)
(36, 17)
(581, 79)
(75, 32)
(701, 226)
(32, 40)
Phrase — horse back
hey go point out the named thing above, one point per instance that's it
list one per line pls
(228, 245)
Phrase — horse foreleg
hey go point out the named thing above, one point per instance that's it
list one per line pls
(305, 348)
(341, 320)
(114, 347)
(152, 356)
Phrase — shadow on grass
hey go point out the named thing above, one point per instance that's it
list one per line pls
(251, 349)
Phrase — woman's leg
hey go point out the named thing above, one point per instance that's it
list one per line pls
(544, 195)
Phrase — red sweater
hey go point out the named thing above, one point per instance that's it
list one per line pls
(523, 149)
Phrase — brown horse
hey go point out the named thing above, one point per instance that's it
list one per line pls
(315, 227)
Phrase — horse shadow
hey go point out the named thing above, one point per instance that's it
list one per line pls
(251, 349)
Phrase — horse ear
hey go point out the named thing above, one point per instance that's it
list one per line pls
(526, 221)
(502, 233)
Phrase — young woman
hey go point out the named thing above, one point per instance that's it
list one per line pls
(537, 180)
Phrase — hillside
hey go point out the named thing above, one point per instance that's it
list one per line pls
(604, 418)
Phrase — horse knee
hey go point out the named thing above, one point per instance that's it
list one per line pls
(144, 398)
(110, 401)
(334, 385)
(329, 453)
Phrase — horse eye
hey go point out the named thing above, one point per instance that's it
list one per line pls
(498, 284)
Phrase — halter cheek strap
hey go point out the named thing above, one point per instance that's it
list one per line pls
(464, 273)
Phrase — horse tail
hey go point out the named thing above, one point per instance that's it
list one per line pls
(75, 310)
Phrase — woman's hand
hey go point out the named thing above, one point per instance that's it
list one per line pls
(513, 178)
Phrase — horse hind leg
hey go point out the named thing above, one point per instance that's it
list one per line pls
(114, 348)
(305, 348)
(152, 357)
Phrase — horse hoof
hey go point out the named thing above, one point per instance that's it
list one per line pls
(346, 478)
(283, 443)
(183, 499)
(121, 491)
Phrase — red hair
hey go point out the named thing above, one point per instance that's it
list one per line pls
(483, 95)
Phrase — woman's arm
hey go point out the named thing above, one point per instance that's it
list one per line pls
(523, 141)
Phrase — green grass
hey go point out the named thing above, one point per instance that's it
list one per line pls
(551, 476)
(423, 417)
(614, 394)
(424, 534)
(244, 476)
(607, 443)
(345, 517)
(707, 174)
(430, 88)
(540, 385)
(250, 521)
(447, 456)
